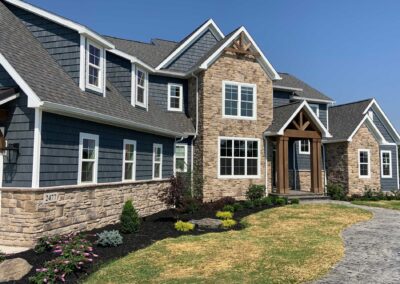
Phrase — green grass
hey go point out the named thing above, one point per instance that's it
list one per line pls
(392, 204)
(290, 244)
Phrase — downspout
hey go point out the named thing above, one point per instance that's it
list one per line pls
(196, 127)
(325, 173)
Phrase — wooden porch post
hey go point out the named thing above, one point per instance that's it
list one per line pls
(316, 176)
(283, 164)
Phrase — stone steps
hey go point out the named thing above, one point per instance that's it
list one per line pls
(303, 196)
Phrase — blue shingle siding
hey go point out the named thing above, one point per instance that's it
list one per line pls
(390, 183)
(158, 90)
(62, 43)
(382, 129)
(60, 151)
(281, 98)
(298, 161)
(323, 113)
(119, 74)
(194, 53)
(5, 79)
(19, 128)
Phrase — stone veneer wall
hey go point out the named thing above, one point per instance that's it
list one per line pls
(25, 216)
(337, 163)
(303, 180)
(212, 125)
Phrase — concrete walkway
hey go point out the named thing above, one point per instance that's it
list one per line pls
(372, 250)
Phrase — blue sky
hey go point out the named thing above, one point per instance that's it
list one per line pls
(349, 50)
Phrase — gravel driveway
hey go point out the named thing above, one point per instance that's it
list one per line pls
(372, 250)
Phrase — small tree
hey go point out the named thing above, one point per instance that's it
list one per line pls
(130, 220)
(175, 193)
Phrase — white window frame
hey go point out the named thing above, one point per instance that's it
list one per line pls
(317, 109)
(309, 147)
(100, 88)
(155, 145)
(232, 176)
(185, 158)
(371, 114)
(135, 86)
(240, 85)
(369, 163)
(129, 142)
(94, 137)
(390, 164)
(180, 86)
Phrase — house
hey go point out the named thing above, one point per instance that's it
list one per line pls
(89, 121)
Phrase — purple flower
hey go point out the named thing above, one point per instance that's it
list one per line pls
(86, 254)
(95, 255)
(89, 260)
(66, 262)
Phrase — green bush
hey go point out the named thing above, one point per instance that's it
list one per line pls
(228, 223)
(45, 244)
(248, 204)
(295, 201)
(184, 226)
(2, 257)
(109, 239)
(224, 215)
(281, 201)
(255, 192)
(267, 201)
(237, 207)
(336, 191)
(229, 208)
(257, 203)
(130, 220)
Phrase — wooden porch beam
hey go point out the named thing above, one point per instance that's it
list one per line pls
(302, 134)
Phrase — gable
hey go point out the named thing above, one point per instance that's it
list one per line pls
(5, 79)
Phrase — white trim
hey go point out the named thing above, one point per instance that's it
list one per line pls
(9, 99)
(82, 63)
(232, 176)
(266, 165)
(146, 88)
(33, 99)
(309, 147)
(129, 142)
(156, 145)
(390, 175)
(271, 72)
(62, 21)
(369, 163)
(240, 85)
(210, 24)
(297, 98)
(371, 125)
(37, 143)
(180, 86)
(94, 137)
(283, 88)
(315, 105)
(101, 69)
(185, 146)
(397, 167)
(3, 131)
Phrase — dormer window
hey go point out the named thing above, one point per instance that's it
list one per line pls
(94, 67)
(175, 97)
(141, 87)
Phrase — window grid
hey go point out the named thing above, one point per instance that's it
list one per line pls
(157, 161)
(129, 160)
(364, 163)
(175, 97)
(94, 67)
(304, 147)
(386, 164)
(239, 100)
(88, 158)
(181, 158)
(141, 87)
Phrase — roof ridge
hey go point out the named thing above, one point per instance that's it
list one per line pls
(130, 40)
(351, 103)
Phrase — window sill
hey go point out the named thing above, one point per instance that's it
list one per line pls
(95, 89)
(239, 117)
(238, 177)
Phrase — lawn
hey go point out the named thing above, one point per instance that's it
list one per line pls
(289, 244)
(388, 204)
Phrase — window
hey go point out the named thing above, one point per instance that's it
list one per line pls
(94, 67)
(175, 97)
(141, 83)
(239, 100)
(304, 147)
(371, 114)
(364, 163)
(181, 158)
(386, 164)
(157, 161)
(238, 157)
(88, 158)
(315, 109)
(129, 160)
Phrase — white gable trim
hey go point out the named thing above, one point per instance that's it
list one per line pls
(262, 59)
(62, 21)
(33, 99)
(371, 126)
(210, 24)
(389, 126)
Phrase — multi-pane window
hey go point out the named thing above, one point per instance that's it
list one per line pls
(238, 157)
(157, 161)
(141, 87)
(94, 67)
(175, 97)
(315, 109)
(129, 164)
(364, 163)
(386, 164)
(180, 158)
(304, 147)
(88, 158)
(239, 100)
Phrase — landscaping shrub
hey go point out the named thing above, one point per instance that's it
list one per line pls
(189, 205)
(2, 257)
(175, 193)
(336, 191)
(45, 244)
(130, 221)
(248, 204)
(255, 192)
(229, 208)
(184, 226)
(281, 201)
(267, 201)
(220, 203)
(224, 215)
(73, 252)
(237, 207)
(228, 223)
(257, 203)
(295, 201)
(109, 239)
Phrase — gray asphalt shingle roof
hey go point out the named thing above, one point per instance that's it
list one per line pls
(308, 92)
(281, 115)
(52, 84)
(344, 119)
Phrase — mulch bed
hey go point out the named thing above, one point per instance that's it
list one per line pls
(153, 228)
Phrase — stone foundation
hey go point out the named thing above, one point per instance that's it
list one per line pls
(26, 215)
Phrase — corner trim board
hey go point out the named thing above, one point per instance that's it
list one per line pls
(37, 143)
